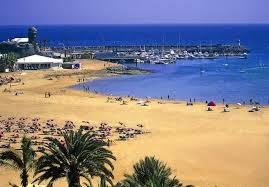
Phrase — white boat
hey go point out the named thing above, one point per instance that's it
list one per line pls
(242, 57)
(162, 61)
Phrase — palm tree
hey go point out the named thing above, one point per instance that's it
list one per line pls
(80, 156)
(22, 161)
(151, 172)
(11, 60)
(8, 61)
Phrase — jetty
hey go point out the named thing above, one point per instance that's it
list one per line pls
(155, 54)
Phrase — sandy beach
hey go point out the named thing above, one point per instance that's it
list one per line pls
(203, 148)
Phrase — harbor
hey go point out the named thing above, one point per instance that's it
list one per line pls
(161, 53)
(158, 54)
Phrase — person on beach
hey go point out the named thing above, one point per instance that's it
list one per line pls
(223, 101)
(226, 109)
(209, 109)
(108, 142)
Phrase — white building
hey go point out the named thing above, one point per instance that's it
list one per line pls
(20, 40)
(35, 62)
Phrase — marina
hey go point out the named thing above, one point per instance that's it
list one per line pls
(134, 45)
(155, 54)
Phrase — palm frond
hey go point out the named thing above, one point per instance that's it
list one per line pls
(151, 172)
(22, 160)
(80, 156)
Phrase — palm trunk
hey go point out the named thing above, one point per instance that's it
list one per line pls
(24, 178)
(103, 182)
(73, 180)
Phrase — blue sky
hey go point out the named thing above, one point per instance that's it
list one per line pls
(21, 12)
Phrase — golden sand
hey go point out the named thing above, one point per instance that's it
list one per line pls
(203, 148)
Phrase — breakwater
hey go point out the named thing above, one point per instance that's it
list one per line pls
(153, 53)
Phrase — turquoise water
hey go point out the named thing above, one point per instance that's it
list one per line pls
(222, 78)
(232, 79)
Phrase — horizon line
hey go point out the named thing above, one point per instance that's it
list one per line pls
(134, 24)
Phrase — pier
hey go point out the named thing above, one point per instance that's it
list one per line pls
(153, 53)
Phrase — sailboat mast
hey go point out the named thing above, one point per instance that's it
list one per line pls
(179, 42)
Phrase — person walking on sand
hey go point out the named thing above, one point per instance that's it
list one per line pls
(223, 101)
(108, 142)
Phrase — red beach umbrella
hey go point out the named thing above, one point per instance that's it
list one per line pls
(211, 103)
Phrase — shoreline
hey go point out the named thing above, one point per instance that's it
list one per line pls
(203, 148)
(140, 71)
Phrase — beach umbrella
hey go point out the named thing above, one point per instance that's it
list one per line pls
(211, 103)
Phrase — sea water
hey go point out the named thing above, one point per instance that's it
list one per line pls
(232, 79)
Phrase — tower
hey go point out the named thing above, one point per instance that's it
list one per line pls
(32, 33)
(239, 42)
